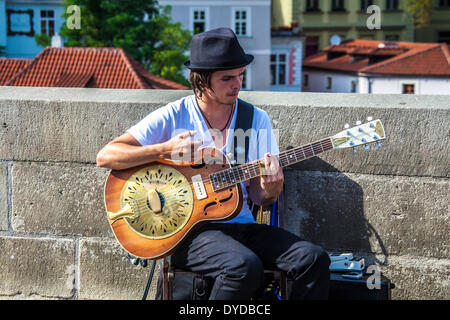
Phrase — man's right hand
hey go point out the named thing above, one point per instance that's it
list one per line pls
(182, 149)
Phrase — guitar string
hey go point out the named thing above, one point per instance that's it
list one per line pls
(325, 143)
(241, 170)
(252, 165)
(248, 167)
(169, 196)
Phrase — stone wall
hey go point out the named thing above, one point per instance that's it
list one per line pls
(388, 205)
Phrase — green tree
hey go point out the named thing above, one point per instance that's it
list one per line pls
(140, 27)
(42, 39)
(420, 10)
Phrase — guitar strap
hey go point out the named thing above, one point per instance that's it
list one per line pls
(244, 121)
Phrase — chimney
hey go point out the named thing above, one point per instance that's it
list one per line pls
(57, 41)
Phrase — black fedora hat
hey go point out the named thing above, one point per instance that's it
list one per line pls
(217, 49)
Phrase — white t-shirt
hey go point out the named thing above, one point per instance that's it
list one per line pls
(184, 114)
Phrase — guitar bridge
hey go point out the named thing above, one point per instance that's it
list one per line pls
(199, 187)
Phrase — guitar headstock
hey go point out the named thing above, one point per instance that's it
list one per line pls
(362, 134)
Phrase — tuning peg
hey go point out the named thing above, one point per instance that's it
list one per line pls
(346, 126)
(354, 149)
(369, 119)
(378, 144)
(366, 147)
(358, 122)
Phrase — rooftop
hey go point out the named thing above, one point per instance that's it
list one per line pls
(381, 57)
(10, 67)
(81, 67)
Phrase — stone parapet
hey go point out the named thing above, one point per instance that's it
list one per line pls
(388, 205)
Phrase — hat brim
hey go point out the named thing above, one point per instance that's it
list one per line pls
(248, 58)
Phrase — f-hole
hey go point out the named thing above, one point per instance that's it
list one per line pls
(198, 166)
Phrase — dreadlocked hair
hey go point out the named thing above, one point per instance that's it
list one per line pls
(200, 81)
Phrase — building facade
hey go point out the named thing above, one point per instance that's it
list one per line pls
(438, 30)
(323, 21)
(21, 20)
(249, 19)
(286, 59)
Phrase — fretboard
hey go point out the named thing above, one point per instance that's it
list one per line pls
(225, 178)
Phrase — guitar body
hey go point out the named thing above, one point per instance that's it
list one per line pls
(154, 235)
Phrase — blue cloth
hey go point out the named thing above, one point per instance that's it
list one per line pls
(184, 114)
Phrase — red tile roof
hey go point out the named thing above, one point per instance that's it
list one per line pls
(10, 67)
(88, 68)
(378, 57)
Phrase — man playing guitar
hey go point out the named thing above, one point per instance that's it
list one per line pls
(234, 252)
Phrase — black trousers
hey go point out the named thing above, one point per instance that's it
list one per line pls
(236, 254)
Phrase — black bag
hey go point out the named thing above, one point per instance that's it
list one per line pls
(364, 288)
(186, 286)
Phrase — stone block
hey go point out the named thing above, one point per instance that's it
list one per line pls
(62, 199)
(36, 267)
(416, 130)
(74, 124)
(412, 146)
(3, 197)
(381, 214)
(414, 277)
(60, 124)
(106, 274)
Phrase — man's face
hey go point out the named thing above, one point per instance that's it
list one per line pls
(226, 85)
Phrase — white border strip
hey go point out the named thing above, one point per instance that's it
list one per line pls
(215, 3)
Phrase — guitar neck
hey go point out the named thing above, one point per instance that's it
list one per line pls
(225, 178)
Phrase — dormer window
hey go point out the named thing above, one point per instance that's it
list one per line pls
(334, 54)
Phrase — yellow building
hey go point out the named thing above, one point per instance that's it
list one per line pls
(323, 21)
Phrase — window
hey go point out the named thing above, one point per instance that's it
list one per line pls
(366, 36)
(364, 4)
(241, 21)
(48, 22)
(392, 37)
(444, 36)
(329, 83)
(444, 3)
(198, 20)
(305, 80)
(311, 45)
(337, 5)
(246, 81)
(408, 88)
(391, 4)
(312, 5)
(353, 86)
(278, 69)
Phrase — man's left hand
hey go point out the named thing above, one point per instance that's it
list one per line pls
(272, 178)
